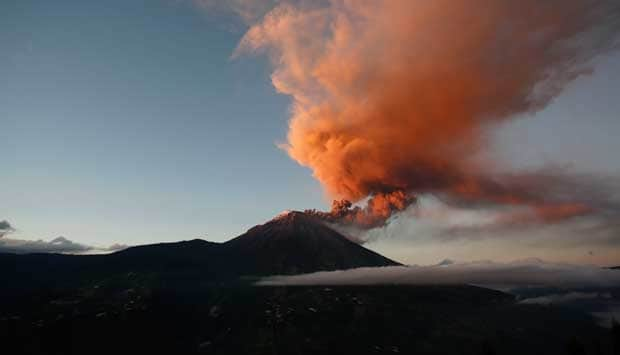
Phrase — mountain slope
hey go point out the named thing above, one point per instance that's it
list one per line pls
(184, 254)
(289, 244)
(295, 242)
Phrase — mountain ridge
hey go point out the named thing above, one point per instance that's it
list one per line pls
(290, 243)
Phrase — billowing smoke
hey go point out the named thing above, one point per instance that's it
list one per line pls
(377, 211)
(392, 99)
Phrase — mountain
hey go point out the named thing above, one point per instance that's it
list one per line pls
(191, 297)
(196, 253)
(294, 243)
(288, 244)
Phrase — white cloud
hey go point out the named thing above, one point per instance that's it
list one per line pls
(484, 273)
(58, 245)
(566, 297)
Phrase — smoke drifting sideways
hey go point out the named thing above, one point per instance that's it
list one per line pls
(393, 99)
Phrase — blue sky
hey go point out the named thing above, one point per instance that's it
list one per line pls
(126, 121)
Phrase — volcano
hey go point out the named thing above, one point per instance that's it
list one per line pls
(199, 297)
(295, 242)
(291, 243)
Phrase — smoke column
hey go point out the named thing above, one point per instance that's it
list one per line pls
(394, 98)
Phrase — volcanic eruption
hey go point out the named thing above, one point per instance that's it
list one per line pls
(392, 99)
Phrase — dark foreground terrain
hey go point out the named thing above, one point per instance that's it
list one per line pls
(136, 314)
(198, 297)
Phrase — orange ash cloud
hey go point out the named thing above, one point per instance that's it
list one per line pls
(377, 211)
(394, 98)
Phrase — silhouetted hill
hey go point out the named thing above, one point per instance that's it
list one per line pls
(195, 253)
(295, 242)
(288, 244)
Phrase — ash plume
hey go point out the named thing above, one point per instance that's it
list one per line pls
(392, 99)
(376, 213)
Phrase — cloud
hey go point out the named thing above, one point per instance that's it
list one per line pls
(248, 10)
(515, 274)
(115, 247)
(5, 228)
(58, 245)
(445, 262)
(585, 288)
(569, 297)
(399, 96)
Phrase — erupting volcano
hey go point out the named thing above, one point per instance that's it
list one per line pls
(392, 99)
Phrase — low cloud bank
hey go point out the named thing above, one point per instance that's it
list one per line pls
(60, 245)
(527, 273)
(566, 298)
